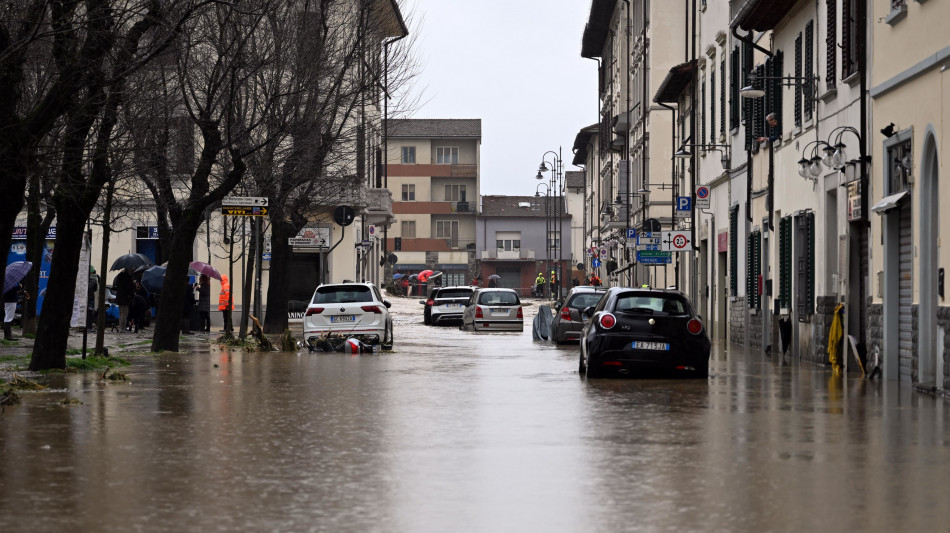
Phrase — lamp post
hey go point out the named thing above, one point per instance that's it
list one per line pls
(547, 221)
(557, 178)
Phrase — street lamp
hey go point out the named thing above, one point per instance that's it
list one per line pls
(557, 178)
(808, 83)
(684, 153)
(810, 167)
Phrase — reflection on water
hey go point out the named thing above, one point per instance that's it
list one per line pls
(463, 432)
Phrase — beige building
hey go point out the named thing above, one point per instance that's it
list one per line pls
(433, 171)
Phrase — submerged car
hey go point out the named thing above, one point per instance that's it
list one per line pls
(568, 322)
(493, 309)
(643, 332)
(348, 310)
(445, 304)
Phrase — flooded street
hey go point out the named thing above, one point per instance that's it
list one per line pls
(458, 431)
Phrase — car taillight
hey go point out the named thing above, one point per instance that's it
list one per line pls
(607, 320)
(520, 313)
(566, 313)
(695, 326)
(371, 309)
(478, 312)
(314, 310)
(430, 302)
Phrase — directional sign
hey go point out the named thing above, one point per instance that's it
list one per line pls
(303, 242)
(244, 211)
(244, 201)
(702, 197)
(677, 241)
(595, 263)
(684, 206)
(645, 253)
(654, 260)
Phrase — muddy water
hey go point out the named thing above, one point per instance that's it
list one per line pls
(458, 431)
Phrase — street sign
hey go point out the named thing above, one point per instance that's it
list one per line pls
(303, 242)
(654, 260)
(344, 215)
(702, 197)
(244, 211)
(656, 253)
(244, 201)
(631, 233)
(366, 244)
(677, 241)
(595, 263)
(684, 206)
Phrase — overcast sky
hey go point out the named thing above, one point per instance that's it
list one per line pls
(516, 65)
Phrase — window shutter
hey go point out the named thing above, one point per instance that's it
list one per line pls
(749, 272)
(785, 262)
(809, 69)
(806, 265)
(831, 43)
(722, 97)
(734, 250)
(712, 104)
(734, 89)
(778, 68)
(754, 267)
(758, 109)
(699, 111)
(846, 17)
(798, 74)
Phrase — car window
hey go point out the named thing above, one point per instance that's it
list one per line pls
(655, 303)
(342, 294)
(454, 293)
(498, 298)
(584, 300)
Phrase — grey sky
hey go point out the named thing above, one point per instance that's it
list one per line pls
(516, 65)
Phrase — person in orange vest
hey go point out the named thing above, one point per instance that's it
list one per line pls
(224, 303)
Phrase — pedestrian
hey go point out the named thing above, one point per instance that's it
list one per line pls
(9, 310)
(137, 308)
(539, 285)
(595, 281)
(404, 283)
(91, 298)
(575, 281)
(187, 307)
(204, 302)
(224, 302)
(492, 282)
(124, 291)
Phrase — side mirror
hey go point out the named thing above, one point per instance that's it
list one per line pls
(387, 304)
(588, 312)
(423, 302)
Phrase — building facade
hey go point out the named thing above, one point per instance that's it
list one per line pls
(433, 171)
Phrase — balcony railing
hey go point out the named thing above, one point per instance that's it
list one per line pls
(508, 255)
(464, 171)
(463, 207)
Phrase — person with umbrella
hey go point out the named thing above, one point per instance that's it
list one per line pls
(15, 272)
(124, 288)
(204, 302)
(493, 280)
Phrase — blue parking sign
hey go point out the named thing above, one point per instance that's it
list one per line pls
(631, 233)
(684, 203)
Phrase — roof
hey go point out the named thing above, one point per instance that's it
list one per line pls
(597, 28)
(436, 127)
(507, 206)
(574, 179)
(395, 24)
(581, 142)
(674, 83)
(762, 15)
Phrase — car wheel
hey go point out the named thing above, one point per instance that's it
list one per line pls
(702, 372)
(594, 372)
(387, 343)
(581, 368)
(426, 319)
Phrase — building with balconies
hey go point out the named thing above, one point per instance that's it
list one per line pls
(511, 243)
(433, 171)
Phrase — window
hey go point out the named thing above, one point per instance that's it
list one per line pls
(508, 245)
(805, 245)
(734, 251)
(734, 88)
(712, 104)
(850, 31)
(447, 155)
(449, 230)
(722, 97)
(798, 73)
(408, 155)
(753, 268)
(455, 193)
(831, 43)
(408, 193)
(554, 240)
(809, 68)
(409, 229)
(899, 162)
(699, 111)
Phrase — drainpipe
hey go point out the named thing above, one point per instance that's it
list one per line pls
(385, 157)
(600, 143)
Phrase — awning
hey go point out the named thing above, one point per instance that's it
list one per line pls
(762, 15)
(889, 202)
(674, 83)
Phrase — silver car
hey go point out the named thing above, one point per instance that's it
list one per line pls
(445, 304)
(493, 309)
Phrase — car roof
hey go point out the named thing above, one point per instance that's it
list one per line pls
(496, 289)
(456, 287)
(353, 284)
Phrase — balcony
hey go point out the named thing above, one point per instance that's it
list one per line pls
(379, 207)
(463, 207)
(508, 255)
(464, 171)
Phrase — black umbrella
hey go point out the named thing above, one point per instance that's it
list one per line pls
(153, 278)
(131, 261)
(494, 276)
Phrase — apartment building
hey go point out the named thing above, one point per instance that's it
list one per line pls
(433, 171)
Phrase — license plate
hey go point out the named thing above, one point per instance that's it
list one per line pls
(453, 306)
(496, 310)
(342, 318)
(641, 345)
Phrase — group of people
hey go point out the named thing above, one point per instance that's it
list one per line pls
(10, 299)
(134, 302)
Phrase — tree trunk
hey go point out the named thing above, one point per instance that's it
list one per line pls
(104, 270)
(52, 332)
(278, 291)
(168, 321)
(13, 183)
(246, 308)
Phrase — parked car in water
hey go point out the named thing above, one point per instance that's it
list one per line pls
(493, 309)
(348, 310)
(643, 332)
(568, 322)
(445, 304)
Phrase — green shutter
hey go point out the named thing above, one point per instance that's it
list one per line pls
(753, 268)
(810, 263)
(785, 262)
(734, 251)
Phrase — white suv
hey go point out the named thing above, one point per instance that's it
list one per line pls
(348, 310)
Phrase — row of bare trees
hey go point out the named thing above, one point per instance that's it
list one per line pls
(158, 109)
